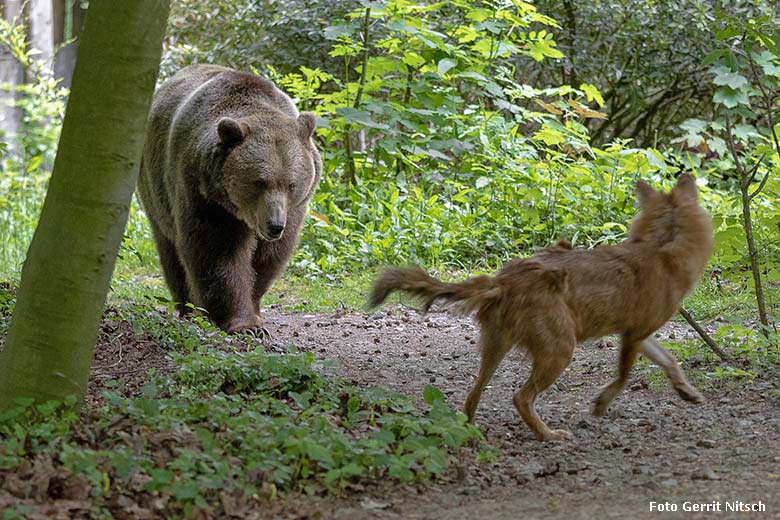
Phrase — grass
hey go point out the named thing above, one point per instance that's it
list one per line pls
(294, 292)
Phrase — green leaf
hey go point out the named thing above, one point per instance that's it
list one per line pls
(717, 145)
(538, 51)
(472, 75)
(549, 136)
(333, 32)
(729, 32)
(445, 65)
(318, 452)
(591, 92)
(34, 163)
(431, 394)
(360, 117)
(729, 97)
(713, 57)
(727, 78)
(413, 59)
(482, 182)
(769, 63)
(494, 88)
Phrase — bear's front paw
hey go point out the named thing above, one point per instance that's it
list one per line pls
(252, 325)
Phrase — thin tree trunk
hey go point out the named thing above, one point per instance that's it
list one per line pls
(51, 339)
(42, 31)
(11, 75)
(753, 253)
(351, 170)
(745, 178)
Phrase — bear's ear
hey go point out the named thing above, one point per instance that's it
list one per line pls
(230, 131)
(644, 193)
(307, 122)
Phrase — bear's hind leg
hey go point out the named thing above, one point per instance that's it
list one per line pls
(175, 277)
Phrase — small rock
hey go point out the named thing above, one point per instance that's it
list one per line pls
(585, 424)
(470, 490)
(670, 482)
(438, 322)
(368, 503)
(706, 443)
(704, 473)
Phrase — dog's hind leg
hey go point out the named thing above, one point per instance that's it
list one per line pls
(494, 347)
(627, 357)
(546, 369)
(651, 349)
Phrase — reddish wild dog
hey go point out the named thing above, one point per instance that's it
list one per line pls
(548, 303)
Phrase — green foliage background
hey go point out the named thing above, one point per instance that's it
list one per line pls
(460, 134)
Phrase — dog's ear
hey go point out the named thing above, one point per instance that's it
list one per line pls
(685, 190)
(644, 193)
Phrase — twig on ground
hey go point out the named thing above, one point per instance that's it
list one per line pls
(704, 336)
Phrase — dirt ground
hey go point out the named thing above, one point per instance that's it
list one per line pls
(651, 447)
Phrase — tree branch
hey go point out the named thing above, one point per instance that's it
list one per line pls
(704, 336)
(760, 186)
(733, 150)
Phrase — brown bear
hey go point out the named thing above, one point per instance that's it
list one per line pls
(227, 172)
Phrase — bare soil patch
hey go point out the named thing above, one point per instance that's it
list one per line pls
(651, 446)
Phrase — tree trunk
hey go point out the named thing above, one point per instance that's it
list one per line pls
(11, 75)
(755, 268)
(51, 339)
(42, 31)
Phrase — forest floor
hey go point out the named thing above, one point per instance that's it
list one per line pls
(651, 447)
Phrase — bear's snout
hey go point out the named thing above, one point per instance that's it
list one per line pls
(275, 229)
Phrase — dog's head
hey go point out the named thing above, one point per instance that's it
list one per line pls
(673, 216)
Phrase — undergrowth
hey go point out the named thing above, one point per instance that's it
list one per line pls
(226, 429)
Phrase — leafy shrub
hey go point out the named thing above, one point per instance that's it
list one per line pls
(240, 424)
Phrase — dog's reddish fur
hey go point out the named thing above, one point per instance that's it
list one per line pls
(548, 303)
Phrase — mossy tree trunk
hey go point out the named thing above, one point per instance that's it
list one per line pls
(66, 276)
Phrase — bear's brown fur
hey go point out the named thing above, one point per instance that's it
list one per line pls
(227, 172)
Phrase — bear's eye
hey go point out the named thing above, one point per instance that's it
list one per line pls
(292, 186)
(261, 184)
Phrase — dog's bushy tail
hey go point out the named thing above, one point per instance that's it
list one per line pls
(473, 294)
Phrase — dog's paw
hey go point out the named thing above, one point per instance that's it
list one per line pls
(690, 394)
(556, 435)
(600, 408)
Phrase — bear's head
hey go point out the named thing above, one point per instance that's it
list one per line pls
(270, 166)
